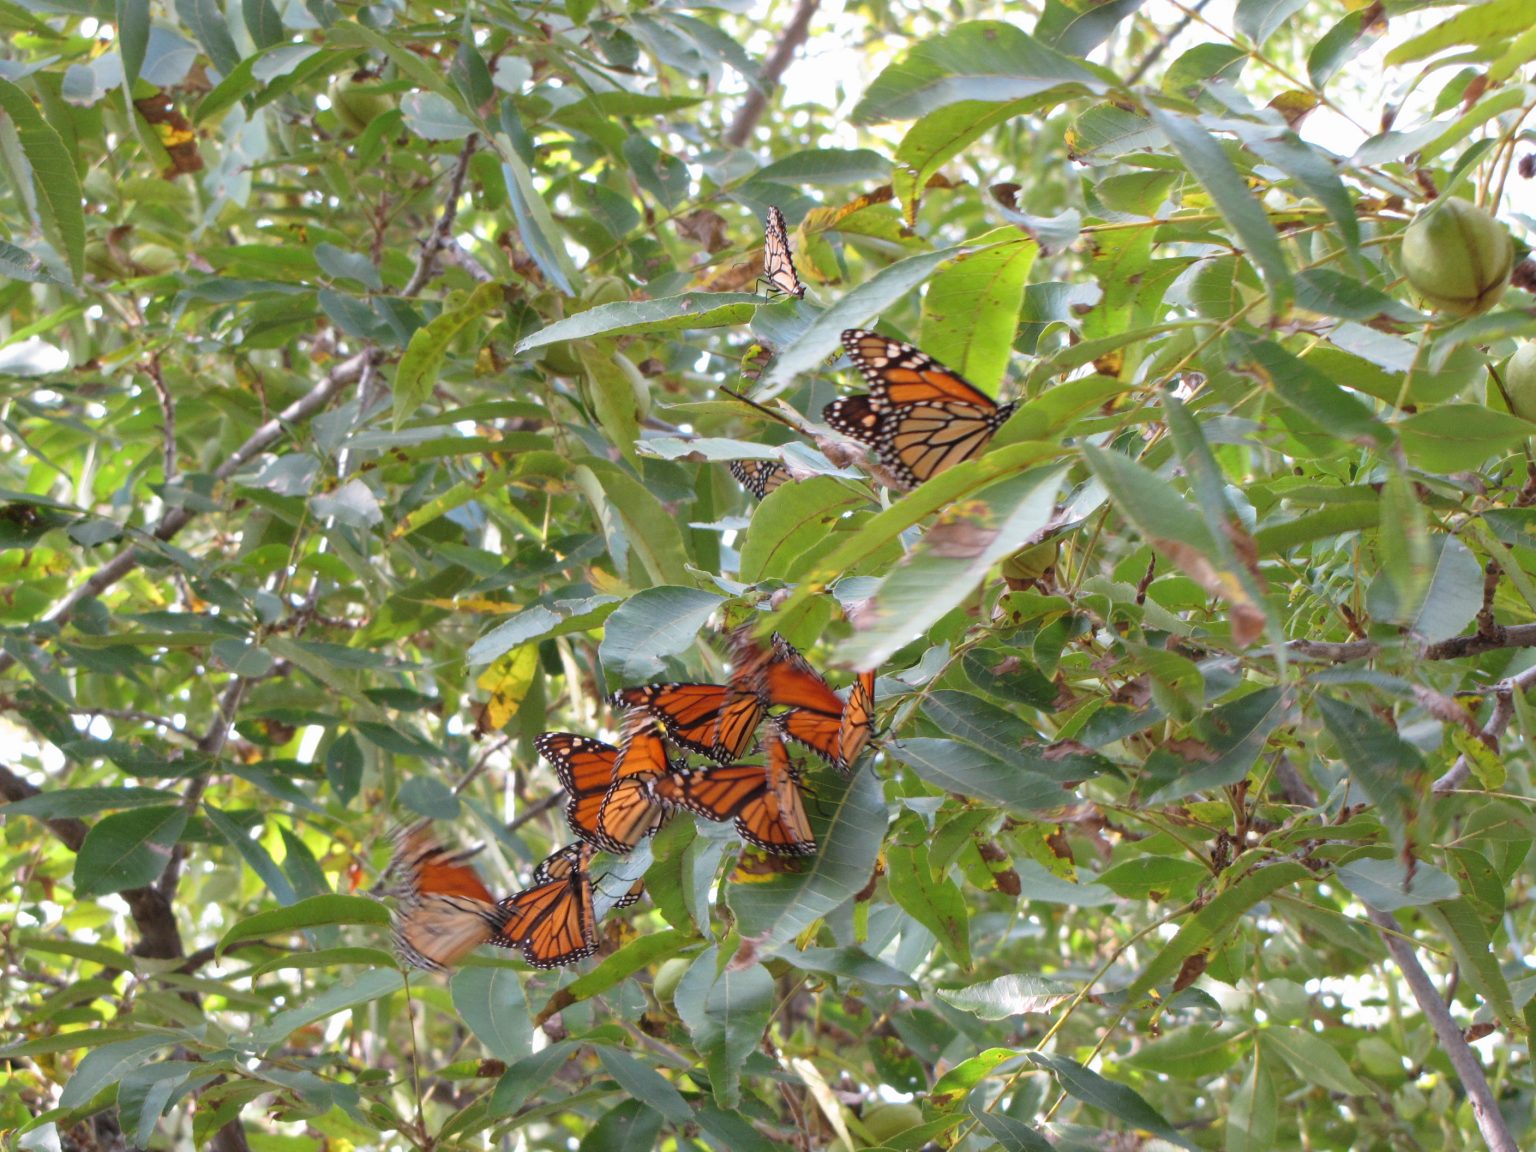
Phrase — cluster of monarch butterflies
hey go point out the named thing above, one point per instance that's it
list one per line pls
(618, 796)
(919, 416)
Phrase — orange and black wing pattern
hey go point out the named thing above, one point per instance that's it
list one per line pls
(778, 265)
(552, 921)
(764, 800)
(919, 416)
(716, 720)
(759, 477)
(606, 807)
(443, 910)
(858, 720)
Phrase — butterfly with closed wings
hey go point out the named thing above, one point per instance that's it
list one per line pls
(778, 265)
(919, 416)
(763, 799)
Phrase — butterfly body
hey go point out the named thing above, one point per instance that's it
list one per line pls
(919, 416)
(552, 921)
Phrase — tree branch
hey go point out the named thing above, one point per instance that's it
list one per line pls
(159, 937)
(176, 519)
(1498, 636)
(794, 35)
(1484, 1107)
(1503, 712)
(440, 236)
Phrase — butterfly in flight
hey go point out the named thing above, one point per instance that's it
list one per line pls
(443, 910)
(552, 920)
(610, 801)
(918, 416)
(778, 265)
(764, 799)
(759, 477)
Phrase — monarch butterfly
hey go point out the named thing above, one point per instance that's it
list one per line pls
(559, 865)
(759, 477)
(717, 720)
(763, 799)
(552, 920)
(778, 265)
(609, 808)
(919, 416)
(838, 739)
(443, 910)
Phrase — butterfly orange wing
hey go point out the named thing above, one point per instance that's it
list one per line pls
(443, 910)
(552, 921)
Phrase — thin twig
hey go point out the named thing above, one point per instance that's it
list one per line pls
(1484, 1107)
(795, 33)
(1514, 636)
(440, 235)
(176, 519)
(211, 746)
(167, 414)
(1503, 712)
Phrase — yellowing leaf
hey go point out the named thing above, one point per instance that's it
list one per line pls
(508, 681)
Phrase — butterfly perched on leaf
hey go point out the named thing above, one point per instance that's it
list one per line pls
(610, 803)
(919, 416)
(778, 265)
(763, 799)
(719, 720)
(552, 921)
(443, 910)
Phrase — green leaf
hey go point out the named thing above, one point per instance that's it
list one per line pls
(849, 826)
(637, 954)
(857, 308)
(1208, 926)
(367, 988)
(106, 1064)
(1208, 163)
(1012, 995)
(1478, 24)
(1255, 1108)
(422, 363)
(651, 625)
(952, 560)
(981, 61)
(1094, 1090)
(1459, 437)
(74, 802)
(127, 849)
(256, 856)
(1314, 1060)
(490, 1001)
(1455, 593)
(1323, 405)
(971, 309)
(959, 768)
(1149, 503)
(939, 137)
(536, 226)
(933, 901)
(726, 1015)
(1380, 762)
(1233, 737)
(540, 623)
(55, 183)
(793, 527)
(825, 166)
(652, 534)
(317, 910)
(645, 1083)
(1388, 885)
(689, 312)
(611, 389)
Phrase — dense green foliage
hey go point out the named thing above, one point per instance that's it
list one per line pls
(362, 420)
